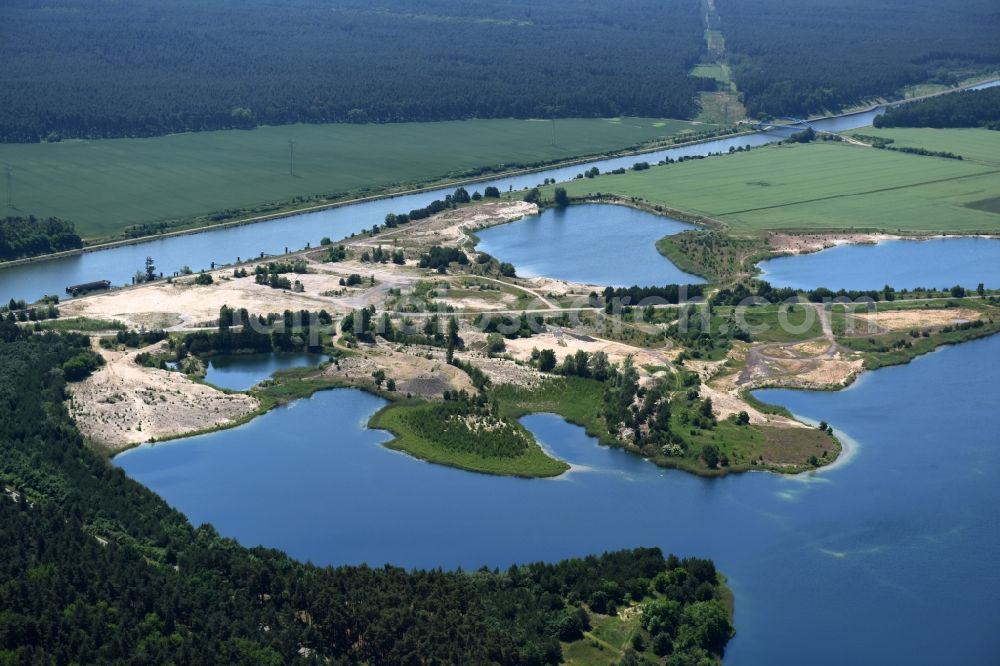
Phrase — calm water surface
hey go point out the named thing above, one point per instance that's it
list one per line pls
(32, 281)
(938, 263)
(892, 557)
(239, 372)
(594, 244)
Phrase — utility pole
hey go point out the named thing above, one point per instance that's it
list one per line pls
(10, 187)
(291, 157)
(553, 131)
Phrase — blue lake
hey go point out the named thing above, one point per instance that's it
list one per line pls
(937, 263)
(241, 371)
(598, 244)
(892, 556)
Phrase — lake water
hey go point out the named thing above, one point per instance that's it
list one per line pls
(892, 557)
(598, 244)
(222, 246)
(937, 263)
(239, 372)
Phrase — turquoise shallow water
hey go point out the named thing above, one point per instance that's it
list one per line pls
(937, 263)
(595, 244)
(891, 557)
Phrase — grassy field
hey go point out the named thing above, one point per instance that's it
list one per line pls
(769, 322)
(713, 70)
(816, 186)
(577, 400)
(396, 419)
(981, 145)
(104, 186)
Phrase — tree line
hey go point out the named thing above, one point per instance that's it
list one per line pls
(31, 236)
(971, 108)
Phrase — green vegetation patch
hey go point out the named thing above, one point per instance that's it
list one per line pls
(777, 323)
(466, 437)
(978, 145)
(991, 205)
(576, 399)
(84, 324)
(713, 255)
(105, 186)
(816, 186)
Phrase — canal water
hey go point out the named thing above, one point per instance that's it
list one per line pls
(198, 251)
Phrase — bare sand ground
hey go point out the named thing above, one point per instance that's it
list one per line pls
(451, 227)
(123, 403)
(785, 243)
(412, 371)
(813, 364)
(895, 320)
(806, 243)
(183, 304)
(832, 369)
(565, 344)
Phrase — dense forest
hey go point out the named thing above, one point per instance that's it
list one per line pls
(94, 568)
(30, 236)
(974, 108)
(798, 57)
(89, 68)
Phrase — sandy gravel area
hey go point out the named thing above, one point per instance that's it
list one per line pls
(895, 320)
(565, 344)
(503, 370)
(806, 243)
(412, 371)
(165, 303)
(451, 227)
(123, 404)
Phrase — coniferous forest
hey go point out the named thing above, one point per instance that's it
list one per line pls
(800, 57)
(146, 68)
(974, 108)
(201, 65)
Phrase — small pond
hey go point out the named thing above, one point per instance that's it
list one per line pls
(238, 372)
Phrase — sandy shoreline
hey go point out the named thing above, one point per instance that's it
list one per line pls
(786, 243)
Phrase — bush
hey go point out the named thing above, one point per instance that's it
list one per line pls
(81, 366)
(495, 343)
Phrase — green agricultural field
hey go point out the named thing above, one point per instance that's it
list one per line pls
(980, 145)
(818, 186)
(105, 186)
